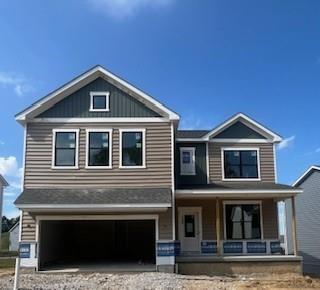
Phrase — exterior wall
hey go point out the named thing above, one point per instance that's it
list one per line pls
(14, 239)
(201, 165)
(269, 216)
(77, 105)
(38, 171)
(307, 222)
(266, 160)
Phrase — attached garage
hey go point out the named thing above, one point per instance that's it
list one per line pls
(67, 244)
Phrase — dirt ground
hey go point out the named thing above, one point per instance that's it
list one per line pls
(157, 281)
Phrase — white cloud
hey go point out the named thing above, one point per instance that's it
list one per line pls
(11, 212)
(125, 8)
(285, 143)
(9, 193)
(2, 143)
(9, 166)
(19, 84)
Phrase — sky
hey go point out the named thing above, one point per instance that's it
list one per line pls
(206, 60)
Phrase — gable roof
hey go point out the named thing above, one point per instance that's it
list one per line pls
(3, 182)
(252, 124)
(305, 175)
(14, 226)
(85, 78)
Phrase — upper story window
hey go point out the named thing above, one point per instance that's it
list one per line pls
(187, 161)
(99, 148)
(241, 164)
(242, 221)
(65, 148)
(99, 101)
(132, 148)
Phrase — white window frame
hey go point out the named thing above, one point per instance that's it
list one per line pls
(106, 95)
(241, 202)
(193, 158)
(223, 149)
(143, 131)
(54, 132)
(88, 131)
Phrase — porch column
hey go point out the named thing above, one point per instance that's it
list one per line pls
(294, 229)
(218, 227)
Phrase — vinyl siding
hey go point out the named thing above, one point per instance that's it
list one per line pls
(269, 216)
(266, 160)
(38, 172)
(29, 223)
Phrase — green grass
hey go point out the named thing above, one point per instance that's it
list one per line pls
(7, 263)
(5, 241)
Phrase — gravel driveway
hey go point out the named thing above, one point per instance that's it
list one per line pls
(149, 280)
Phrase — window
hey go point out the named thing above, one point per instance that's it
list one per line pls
(99, 148)
(99, 101)
(241, 164)
(187, 161)
(189, 226)
(242, 221)
(65, 144)
(132, 148)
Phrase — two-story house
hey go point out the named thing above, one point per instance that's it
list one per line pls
(110, 180)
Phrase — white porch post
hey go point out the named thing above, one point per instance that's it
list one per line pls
(294, 228)
(219, 252)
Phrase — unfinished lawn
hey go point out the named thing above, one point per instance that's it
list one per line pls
(156, 281)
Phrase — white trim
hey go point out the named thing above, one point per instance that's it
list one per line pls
(262, 130)
(192, 150)
(275, 163)
(208, 162)
(143, 130)
(99, 94)
(24, 155)
(234, 140)
(20, 225)
(173, 182)
(94, 206)
(96, 71)
(109, 131)
(305, 174)
(235, 202)
(54, 131)
(100, 120)
(240, 149)
(227, 191)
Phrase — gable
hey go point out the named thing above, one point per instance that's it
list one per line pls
(239, 131)
(77, 104)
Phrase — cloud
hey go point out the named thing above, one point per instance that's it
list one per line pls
(11, 212)
(126, 8)
(20, 85)
(2, 143)
(9, 167)
(287, 142)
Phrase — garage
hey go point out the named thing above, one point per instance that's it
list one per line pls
(85, 244)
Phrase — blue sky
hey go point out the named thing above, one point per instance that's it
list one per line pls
(204, 59)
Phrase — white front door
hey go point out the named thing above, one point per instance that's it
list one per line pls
(190, 229)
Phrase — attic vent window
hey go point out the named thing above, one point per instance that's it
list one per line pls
(99, 101)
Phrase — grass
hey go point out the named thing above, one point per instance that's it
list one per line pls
(7, 263)
(5, 241)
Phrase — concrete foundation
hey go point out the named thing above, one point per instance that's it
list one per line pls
(166, 268)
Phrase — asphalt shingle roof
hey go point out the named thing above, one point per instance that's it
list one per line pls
(191, 133)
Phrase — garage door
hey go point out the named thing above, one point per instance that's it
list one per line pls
(76, 243)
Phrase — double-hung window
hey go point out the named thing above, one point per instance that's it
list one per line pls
(243, 221)
(99, 148)
(132, 148)
(99, 101)
(65, 148)
(241, 164)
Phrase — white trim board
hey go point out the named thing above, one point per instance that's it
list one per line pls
(82, 80)
(106, 95)
(99, 120)
(313, 167)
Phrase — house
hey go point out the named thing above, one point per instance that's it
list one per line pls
(307, 206)
(14, 237)
(3, 184)
(109, 179)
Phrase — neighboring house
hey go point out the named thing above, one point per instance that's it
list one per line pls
(14, 237)
(3, 184)
(307, 207)
(109, 178)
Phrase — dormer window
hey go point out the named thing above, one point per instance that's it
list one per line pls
(99, 101)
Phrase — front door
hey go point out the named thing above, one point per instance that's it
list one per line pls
(190, 229)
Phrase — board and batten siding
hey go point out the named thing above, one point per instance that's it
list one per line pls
(266, 160)
(38, 171)
(29, 223)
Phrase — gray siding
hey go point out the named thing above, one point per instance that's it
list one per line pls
(266, 160)
(38, 172)
(239, 131)
(77, 104)
(201, 165)
(308, 222)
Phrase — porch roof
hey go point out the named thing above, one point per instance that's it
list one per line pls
(48, 198)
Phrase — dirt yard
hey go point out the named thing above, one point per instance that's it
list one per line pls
(156, 281)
